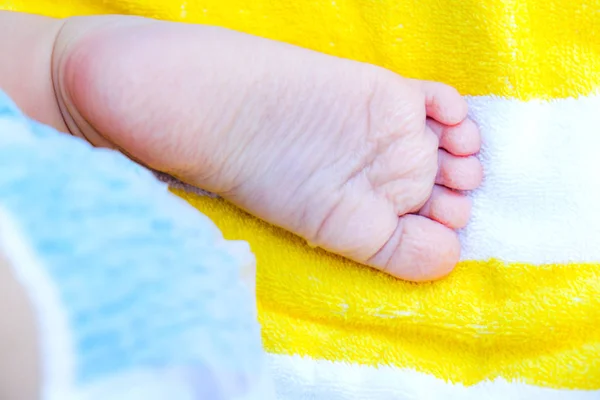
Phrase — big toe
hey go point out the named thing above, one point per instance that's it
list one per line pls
(419, 250)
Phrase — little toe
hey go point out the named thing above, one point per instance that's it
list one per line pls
(447, 207)
(463, 139)
(443, 103)
(419, 250)
(460, 173)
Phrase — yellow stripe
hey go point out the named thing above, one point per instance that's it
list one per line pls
(518, 48)
(488, 319)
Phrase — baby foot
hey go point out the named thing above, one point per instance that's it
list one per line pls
(355, 159)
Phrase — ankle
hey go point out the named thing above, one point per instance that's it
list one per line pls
(70, 66)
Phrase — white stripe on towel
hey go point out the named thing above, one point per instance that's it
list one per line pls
(540, 201)
(299, 378)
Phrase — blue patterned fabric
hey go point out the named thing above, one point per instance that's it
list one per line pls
(149, 292)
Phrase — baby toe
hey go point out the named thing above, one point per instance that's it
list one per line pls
(463, 139)
(419, 250)
(460, 173)
(447, 207)
(443, 103)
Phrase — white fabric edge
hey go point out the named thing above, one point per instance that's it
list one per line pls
(57, 353)
(163, 384)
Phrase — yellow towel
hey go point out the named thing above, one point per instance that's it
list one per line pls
(520, 316)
